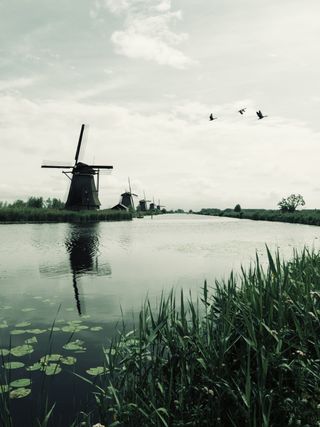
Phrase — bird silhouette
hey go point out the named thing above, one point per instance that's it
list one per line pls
(212, 118)
(242, 110)
(260, 115)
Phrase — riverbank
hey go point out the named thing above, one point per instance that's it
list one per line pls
(247, 353)
(43, 215)
(308, 217)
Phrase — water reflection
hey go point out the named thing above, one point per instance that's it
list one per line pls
(82, 244)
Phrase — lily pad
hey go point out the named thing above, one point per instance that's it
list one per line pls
(70, 309)
(52, 369)
(86, 316)
(7, 307)
(96, 371)
(18, 332)
(26, 310)
(37, 297)
(36, 331)
(54, 329)
(69, 360)
(19, 393)
(4, 352)
(13, 365)
(60, 321)
(35, 367)
(96, 328)
(4, 388)
(74, 345)
(50, 358)
(23, 382)
(23, 324)
(21, 350)
(32, 340)
(3, 324)
(74, 328)
(46, 300)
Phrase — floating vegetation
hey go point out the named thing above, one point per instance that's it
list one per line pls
(69, 360)
(70, 309)
(36, 331)
(18, 332)
(22, 382)
(35, 367)
(13, 365)
(76, 345)
(22, 350)
(96, 328)
(4, 352)
(19, 393)
(50, 358)
(28, 309)
(71, 328)
(32, 340)
(52, 369)
(99, 370)
(23, 325)
(3, 324)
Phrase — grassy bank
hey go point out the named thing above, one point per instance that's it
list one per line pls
(305, 216)
(9, 215)
(245, 354)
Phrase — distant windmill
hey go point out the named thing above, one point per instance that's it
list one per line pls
(159, 206)
(260, 115)
(152, 206)
(83, 193)
(242, 110)
(212, 118)
(127, 197)
(143, 203)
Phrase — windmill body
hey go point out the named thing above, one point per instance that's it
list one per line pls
(83, 192)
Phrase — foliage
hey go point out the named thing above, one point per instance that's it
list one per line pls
(290, 203)
(237, 208)
(245, 354)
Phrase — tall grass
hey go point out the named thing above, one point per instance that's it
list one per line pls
(245, 354)
(60, 215)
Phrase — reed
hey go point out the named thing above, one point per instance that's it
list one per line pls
(9, 215)
(246, 353)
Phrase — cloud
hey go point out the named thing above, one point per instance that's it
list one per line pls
(147, 32)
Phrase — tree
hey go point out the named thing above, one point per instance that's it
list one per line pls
(35, 202)
(290, 204)
(237, 208)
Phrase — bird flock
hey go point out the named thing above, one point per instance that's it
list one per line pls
(241, 111)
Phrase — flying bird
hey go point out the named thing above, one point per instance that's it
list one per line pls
(212, 118)
(242, 110)
(260, 115)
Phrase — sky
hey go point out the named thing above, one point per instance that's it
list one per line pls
(144, 75)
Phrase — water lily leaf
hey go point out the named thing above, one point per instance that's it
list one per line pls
(7, 307)
(21, 350)
(74, 345)
(4, 352)
(36, 331)
(18, 332)
(23, 324)
(54, 329)
(26, 310)
(32, 340)
(70, 309)
(74, 328)
(86, 316)
(69, 360)
(96, 328)
(3, 324)
(46, 300)
(50, 358)
(60, 321)
(35, 367)
(23, 382)
(96, 371)
(19, 393)
(75, 322)
(52, 369)
(37, 297)
(13, 365)
(4, 388)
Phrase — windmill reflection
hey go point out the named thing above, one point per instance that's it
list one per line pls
(82, 244)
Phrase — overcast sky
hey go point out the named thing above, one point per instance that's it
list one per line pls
(145, 75)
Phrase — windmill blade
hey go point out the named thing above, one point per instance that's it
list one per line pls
(79, 143)
(56, 167)
(129, 184)
(132, 194)
(100, 167)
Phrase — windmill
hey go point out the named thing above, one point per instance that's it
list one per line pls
(143, 203)
(83, 192)
(127, 198)
(152, 206)
(159, 206)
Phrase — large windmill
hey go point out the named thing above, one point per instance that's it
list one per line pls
(152, 206)
(83, 192)
(127, 198)
(143, 203)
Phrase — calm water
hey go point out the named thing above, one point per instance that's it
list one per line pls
(71, 273)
